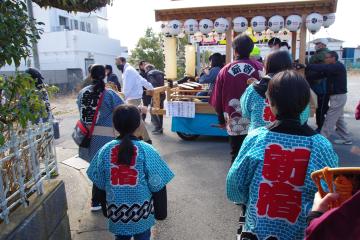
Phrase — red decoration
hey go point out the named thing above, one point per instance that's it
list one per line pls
(283, 171)
(268, 115)
(280, 200)
(122, 174)
(283, 165)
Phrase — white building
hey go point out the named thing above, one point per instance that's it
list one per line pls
(70, 43)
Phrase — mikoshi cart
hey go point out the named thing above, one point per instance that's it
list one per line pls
(205, 116)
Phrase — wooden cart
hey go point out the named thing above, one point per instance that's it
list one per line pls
(247, 10)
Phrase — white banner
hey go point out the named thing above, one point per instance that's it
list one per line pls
(180, 109)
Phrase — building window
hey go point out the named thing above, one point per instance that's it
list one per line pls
(76, 24)
(88, 27)
(71, 24)
(64, 21)
(82, 26)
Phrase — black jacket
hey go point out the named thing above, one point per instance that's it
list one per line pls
(335, 74)
(156, 78)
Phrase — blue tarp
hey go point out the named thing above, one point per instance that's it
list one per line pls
(200, 125)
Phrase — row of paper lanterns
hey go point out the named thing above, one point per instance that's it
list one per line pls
(314, 22)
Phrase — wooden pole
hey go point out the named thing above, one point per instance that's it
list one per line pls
(229, 40)
(293, 45)
(303, 31)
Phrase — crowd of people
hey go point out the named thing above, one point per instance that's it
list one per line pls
(264, 107)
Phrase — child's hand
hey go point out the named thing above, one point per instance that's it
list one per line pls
(250, 81)
(322, 204)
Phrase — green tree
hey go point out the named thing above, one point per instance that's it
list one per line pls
(74, 5)
(19, 98)
(149, 48)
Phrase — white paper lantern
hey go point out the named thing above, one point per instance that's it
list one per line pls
(206, 26)
(174, 27)
(165, 28)
(314, 22)
(191, 26)
(170, 44)
(221, 25)
(258, 23)
(240, 24)
(276, 23)
(293, 23)
(190, 60)
(328, 19)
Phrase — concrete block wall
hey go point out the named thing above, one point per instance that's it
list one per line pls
(45, 218)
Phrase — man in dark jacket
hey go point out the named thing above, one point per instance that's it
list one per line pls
(318, 82)
(156, 78)
(111, 77)
(336, 76)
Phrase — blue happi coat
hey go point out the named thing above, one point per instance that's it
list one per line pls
(271, 176)
(87, 102)
(129, 188)
(257, 109)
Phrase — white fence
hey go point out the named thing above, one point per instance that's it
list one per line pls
(26, 159)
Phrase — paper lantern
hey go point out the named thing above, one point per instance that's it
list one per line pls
(165, 28)
(206, 26)
(170, 57)
(190, 59)
(293, 23)
(240, 24)
(328, 19)
(221, 25)
(276, 23)
(174, 27)
(314, 22)
(191, 26)
(258, 23)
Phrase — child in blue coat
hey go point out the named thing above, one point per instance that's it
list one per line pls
(271, 174)
(133, 177)
(254, 104)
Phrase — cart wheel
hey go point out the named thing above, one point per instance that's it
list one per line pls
(187, 137)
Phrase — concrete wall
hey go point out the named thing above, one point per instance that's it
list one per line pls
(45, 219)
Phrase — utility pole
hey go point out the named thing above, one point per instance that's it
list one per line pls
(33, 43)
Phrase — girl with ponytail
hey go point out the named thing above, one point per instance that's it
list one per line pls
(133, 177)
(96, 105)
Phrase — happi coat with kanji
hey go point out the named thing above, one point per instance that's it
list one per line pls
(256, 107)
(230, 84)
(87, 102)
(271, 176)
(129, 189)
